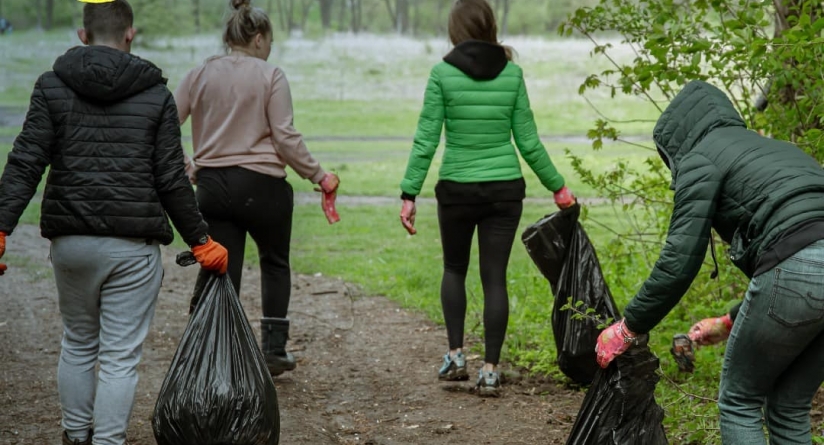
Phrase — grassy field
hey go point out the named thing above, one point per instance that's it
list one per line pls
(363, 85)
(371, 86)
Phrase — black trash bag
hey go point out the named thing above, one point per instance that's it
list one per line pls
(218, 390)
(561, 249)
(620, 407)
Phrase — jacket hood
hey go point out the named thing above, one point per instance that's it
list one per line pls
(697, 110)
(106, 74)
(478, 60)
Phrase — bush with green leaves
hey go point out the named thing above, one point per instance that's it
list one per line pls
(735, 45)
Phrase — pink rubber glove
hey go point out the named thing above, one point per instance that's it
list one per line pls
(612, 342)
(564, 198)
(711, 331)
(329, 190)
(408, 211)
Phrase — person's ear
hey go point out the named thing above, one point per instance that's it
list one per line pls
(259, 41)
(81, 34)
(130, 33)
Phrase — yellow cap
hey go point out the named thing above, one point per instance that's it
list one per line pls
(95, 1)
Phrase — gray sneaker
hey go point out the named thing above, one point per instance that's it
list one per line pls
(489, 384)
(454, 368)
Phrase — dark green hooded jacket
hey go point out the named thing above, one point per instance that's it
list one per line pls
(763, 196)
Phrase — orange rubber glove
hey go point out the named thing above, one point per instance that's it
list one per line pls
(408, 211)
(613, 341)
(2, 251)
(564, 198)
(329, 190)
(212, 256)
(711, 331)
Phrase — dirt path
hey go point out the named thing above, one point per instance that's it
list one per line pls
(366, 371)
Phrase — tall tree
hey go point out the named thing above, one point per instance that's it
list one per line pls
(326, 13)
(196, 14)
(49, 13)
(505, 18)
(399, 14)
(305, 9)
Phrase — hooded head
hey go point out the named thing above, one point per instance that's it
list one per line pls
(697, 110)
(474, 32)
(104, 70)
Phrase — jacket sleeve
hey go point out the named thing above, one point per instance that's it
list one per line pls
(287, 140)
(31, 154)
(525, 133)
(696, 190)
(171, 183)
(427, 137)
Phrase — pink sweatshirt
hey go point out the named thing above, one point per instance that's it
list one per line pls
(241, 109)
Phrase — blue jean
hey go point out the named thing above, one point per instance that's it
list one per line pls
(107, 288)
(774, 361)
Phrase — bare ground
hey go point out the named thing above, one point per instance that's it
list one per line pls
(366, 372)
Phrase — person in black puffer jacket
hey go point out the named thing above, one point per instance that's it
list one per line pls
(106, 124)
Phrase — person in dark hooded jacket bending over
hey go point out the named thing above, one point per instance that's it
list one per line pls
(106, 124)
(766, 199)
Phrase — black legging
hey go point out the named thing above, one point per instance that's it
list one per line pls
(497, 224)
(235, 201)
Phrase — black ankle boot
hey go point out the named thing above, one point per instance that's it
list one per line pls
(274, 333)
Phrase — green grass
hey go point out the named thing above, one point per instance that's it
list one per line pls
(351, 86)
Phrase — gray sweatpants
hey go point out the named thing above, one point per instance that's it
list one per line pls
(108, 289)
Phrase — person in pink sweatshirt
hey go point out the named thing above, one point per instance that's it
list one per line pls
(244, 137)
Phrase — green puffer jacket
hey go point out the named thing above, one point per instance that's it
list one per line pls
(482, 99)
(751, 189)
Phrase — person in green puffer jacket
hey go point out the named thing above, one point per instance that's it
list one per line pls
(766, 199)
(479, 94)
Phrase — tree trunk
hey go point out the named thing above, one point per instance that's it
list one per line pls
(442, 29)
(39, 14)
(393, 16)
(49, 13)
(354, 24)
(358, 16)
(326, 13)
(416, 16)
(342, 15)
(196, 7)
(505, 19)
(306, 8)
(402, 12)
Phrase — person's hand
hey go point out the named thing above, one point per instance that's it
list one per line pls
(212, 256)
(711, 331)
(328, 186)
(408, 216)
(564, 198)
(612, 342)
(329, 183)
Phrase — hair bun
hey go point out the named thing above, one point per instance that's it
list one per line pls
(240, 4)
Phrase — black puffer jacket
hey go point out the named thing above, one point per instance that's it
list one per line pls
(108, 126)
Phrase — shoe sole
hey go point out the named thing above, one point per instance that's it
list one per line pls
(274, 372)
(455, 376)
(489, 391)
